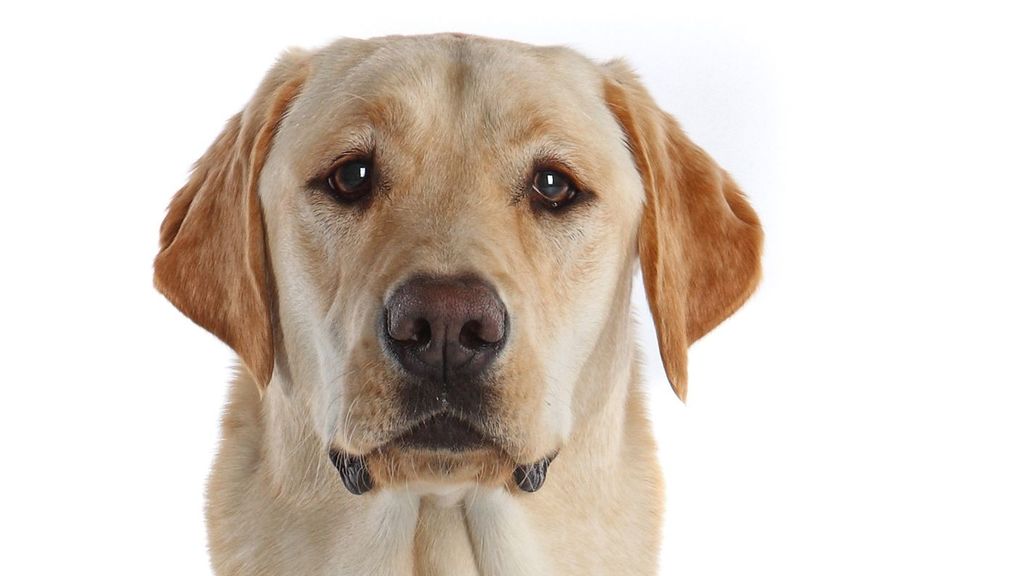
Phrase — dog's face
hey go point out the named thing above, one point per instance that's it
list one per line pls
(427, 241)
(448, 224)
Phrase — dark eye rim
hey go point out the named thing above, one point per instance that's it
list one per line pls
(336, 190)
(577, 192)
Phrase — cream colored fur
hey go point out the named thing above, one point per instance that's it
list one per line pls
(256, 252)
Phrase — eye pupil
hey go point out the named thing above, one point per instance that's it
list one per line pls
(351, 180)
(553, 188)
(353, 174)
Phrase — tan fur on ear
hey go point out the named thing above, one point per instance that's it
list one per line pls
(700, 241)
(212, 259)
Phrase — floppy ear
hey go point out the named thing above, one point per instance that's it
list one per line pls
(700, 241)
(212, 260)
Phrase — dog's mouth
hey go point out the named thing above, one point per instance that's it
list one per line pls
(443, 432)
(441, 446)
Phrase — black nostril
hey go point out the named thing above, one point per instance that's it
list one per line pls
(406, 329)
(470, 336)
(476, 335)
(421, 332)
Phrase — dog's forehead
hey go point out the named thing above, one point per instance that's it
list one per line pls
(447, 89)
(448, 71)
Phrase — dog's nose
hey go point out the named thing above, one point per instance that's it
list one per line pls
(444, 328)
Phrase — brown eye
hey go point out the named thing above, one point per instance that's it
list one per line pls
(554, 188)
(351, 181)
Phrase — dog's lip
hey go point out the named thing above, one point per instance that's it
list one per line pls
(530, 477)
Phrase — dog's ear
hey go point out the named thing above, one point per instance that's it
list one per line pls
(212, 260)
(699, 241)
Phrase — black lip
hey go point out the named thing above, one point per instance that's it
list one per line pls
(530, 477)
(354, 473)
(443, 432)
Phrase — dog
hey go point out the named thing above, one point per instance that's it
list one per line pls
(422, 251)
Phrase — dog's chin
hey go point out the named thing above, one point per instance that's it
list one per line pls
(411, 467)
(440, 450)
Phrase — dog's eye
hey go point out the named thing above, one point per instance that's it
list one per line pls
(351, 181)
(554, 188)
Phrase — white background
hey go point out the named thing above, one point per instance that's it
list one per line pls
(861, 415)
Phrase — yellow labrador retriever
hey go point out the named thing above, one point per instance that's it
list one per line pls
(422, 250)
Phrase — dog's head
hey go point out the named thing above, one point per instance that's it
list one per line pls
(429, 243)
